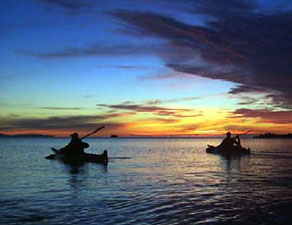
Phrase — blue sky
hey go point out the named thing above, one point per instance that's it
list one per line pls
(61, 59)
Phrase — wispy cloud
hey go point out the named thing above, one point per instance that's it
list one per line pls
(174, 100)
(164, 76)
(60, 108)
(154, 107)
(136, 107)
(130, 67)
(97, 50)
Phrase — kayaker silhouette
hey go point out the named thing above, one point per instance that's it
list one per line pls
(229, 146)
(228, 142)
(76, 146)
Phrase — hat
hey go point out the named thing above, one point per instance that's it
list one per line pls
(74, 135)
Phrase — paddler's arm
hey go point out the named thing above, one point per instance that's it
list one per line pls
(237, 140)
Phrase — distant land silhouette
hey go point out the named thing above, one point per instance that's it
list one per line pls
(271, 136)
(113, 136)
(25, 136)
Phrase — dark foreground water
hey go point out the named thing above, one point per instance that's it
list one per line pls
(147, 181)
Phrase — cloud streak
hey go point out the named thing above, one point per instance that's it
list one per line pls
(154, 108)
(265, 115)
(50, 123)
(98, 50)
(86, 122)
(60, 108)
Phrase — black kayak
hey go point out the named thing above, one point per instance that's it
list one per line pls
(80, 158)
(235, 150)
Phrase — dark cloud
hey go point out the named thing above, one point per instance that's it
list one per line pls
(265, 115)
(51, 122)
(246, 89)
(61, 123)
(239, 43)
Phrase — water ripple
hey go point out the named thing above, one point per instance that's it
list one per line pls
(175, 182)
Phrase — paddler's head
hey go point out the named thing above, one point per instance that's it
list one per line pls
(74, 135)
(228, 134)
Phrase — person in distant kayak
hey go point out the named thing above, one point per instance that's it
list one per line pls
(229, 142)
(76, 145)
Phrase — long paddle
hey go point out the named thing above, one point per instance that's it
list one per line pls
(237, 136)
(52, 156)
(244, 133)
(98, 129)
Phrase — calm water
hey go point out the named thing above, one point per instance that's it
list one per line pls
(147, 181)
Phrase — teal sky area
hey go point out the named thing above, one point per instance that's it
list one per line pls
(63, 59)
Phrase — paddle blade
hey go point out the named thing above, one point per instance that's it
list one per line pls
(52, 156)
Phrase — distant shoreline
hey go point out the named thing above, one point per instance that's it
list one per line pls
(26, 136)
(96, 137)
(259, 136)
(273, 136)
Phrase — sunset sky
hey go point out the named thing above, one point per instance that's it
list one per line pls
(145, 68)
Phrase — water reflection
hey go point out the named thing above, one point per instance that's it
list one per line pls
(234, 163)
(81, 167)
(78, 172)
(174, 183)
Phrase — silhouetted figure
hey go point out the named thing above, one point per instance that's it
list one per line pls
(75, 147)
(228, 142)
